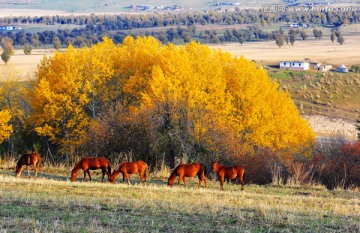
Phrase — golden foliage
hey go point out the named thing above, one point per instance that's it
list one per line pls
(5, 128)
(191, 93)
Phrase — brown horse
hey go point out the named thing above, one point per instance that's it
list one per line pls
(27, 160)
(131, 168)
(188, 170)
(87, 164)
(228, 173)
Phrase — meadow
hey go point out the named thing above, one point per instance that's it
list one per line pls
(53, 203)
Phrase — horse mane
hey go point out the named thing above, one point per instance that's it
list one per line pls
(76, 167)
(173, 173)
(20, 160)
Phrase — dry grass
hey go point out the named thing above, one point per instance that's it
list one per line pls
(331, 127)
(43, 204)
(27, 64)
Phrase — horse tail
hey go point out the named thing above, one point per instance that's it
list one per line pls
(204, 169)
(39, 161)
(243, 179)
(146, 171)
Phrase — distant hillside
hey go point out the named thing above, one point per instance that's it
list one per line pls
(93, 6)
(315, 93)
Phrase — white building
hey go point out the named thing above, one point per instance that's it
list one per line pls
(342, 69)
(294, 65)
(322, 67)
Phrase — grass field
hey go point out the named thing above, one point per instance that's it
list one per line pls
(323, 51)
(52, 203)
(27, 64)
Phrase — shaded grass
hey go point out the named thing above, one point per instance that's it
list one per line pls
(43, 204)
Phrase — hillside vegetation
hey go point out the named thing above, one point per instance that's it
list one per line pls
(331, 94)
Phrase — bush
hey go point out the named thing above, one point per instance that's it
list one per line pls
(355, 68)
(27, 49)
(341, 169)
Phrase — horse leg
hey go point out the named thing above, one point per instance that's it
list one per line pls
(141, 176)
(103, 173)
(144, 175)
(242, 185)
(36, 169)
(84, 175)
(184, 181)
(180, 178)
(88, 172)
(241, 180)
(127, 178)
(202, 178)
(222, 183)
(205, 180)
(28, 170)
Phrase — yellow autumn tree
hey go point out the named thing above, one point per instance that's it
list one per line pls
(10, 96)
(198, 101)
(226, 103)
(67, 91)
(5, 128)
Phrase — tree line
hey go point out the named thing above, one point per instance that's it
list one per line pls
(238, 16)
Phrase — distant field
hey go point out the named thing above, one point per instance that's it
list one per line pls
(323, 50)
(51, 204)
(27, 64)
(95, 6)
(265, 53)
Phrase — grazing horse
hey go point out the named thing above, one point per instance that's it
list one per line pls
(131, 168)
(228, 173)
(26, 160)
(188, 170)
(88, 163)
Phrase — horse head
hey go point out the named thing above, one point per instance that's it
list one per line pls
(215, 166)
(112, 177)
(73, 175)
(17, 171)
(171, 179)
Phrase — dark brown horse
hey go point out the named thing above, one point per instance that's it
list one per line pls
(28, 160)
(188, 170)
(228, 173)
(131, 168)
(88, 163)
